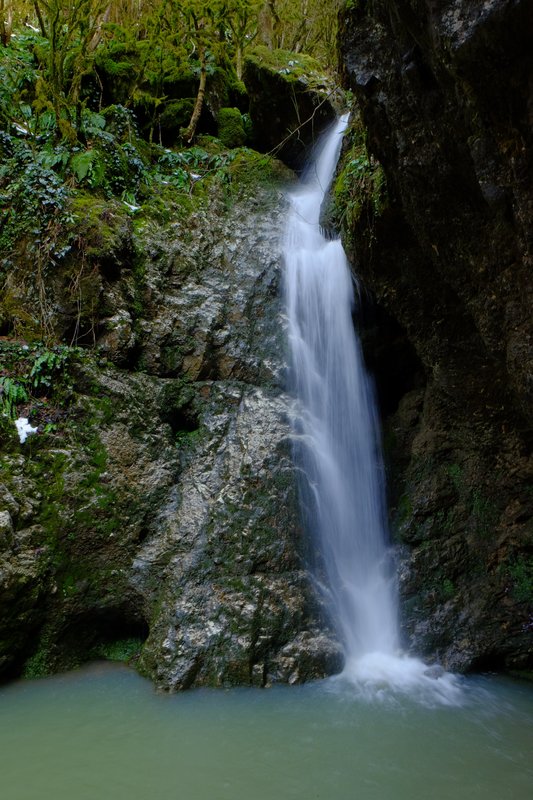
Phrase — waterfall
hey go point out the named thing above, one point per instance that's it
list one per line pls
(336, 435)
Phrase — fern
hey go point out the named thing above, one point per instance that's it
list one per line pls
(11, 394)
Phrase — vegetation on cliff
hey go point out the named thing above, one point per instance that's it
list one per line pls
(138, 331)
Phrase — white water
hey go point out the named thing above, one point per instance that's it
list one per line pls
(337, 446)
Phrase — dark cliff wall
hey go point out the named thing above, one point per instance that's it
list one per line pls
(445, 90)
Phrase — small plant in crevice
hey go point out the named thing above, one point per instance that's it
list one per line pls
(520, 572)
(455, 473)
(359, 190)
(448, 589)
(483, 513)
(36, 378)
(11, 394)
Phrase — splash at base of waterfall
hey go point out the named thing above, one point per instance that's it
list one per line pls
(384, 677)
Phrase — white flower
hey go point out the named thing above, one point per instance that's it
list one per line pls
(24, 429)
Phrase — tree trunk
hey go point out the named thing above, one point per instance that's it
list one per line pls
(6, 21)
(191, 128)
(238, 62)
(40, 18)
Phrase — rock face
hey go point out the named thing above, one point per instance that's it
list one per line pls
(162, 506)
(444, 90)
(291, 101)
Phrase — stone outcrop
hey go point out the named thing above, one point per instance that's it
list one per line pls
(444, 90)
(291, 101)
(156, 516)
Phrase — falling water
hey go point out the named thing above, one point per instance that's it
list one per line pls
(337, 439)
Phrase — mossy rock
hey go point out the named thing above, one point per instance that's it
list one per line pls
(359, 190)
(175, 116)
(250, 169)
(116, 66)
(230, 127)
(218, 91)
(290, 102)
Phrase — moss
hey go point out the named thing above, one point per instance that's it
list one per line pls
(189, 440)
(483, 513)
(249, 169)
(521, 575)
(176, 115)
(122, 650)
(455, 471)
(291, 67)
(230, 127)
(359, 188)
(164, 204)
(37, 666)
(101, 225)
(448, 589)
(117, 66)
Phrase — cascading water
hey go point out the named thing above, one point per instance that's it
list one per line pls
(337, 441)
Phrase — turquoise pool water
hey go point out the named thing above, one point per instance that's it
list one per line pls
(103, 733)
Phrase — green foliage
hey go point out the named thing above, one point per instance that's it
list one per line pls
(18, 75)
(32, 197)
(88, 164)
(404, 510)
(521, 574)
(123, 650)
(456, 475)
(484, 513)
(293, 67)
(230, 127)
(36, 666)
(448, 589)
(308, 26)
(49, 365)
(68, 152)
(37, 226)
(30, 371)
(188, 168)
(11, 394)
(360, 187)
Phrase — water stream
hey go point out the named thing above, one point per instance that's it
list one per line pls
(337, 445)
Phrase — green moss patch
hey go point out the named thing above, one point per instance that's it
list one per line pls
(230, 127)
(291, 67)
(359, 189)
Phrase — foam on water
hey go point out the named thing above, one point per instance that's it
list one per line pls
(380, 676)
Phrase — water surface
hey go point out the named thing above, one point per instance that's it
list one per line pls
(103, 733)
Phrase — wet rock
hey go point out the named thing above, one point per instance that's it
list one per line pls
(6, 528)
(435, 671)
(444, 94)
(162, 508)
